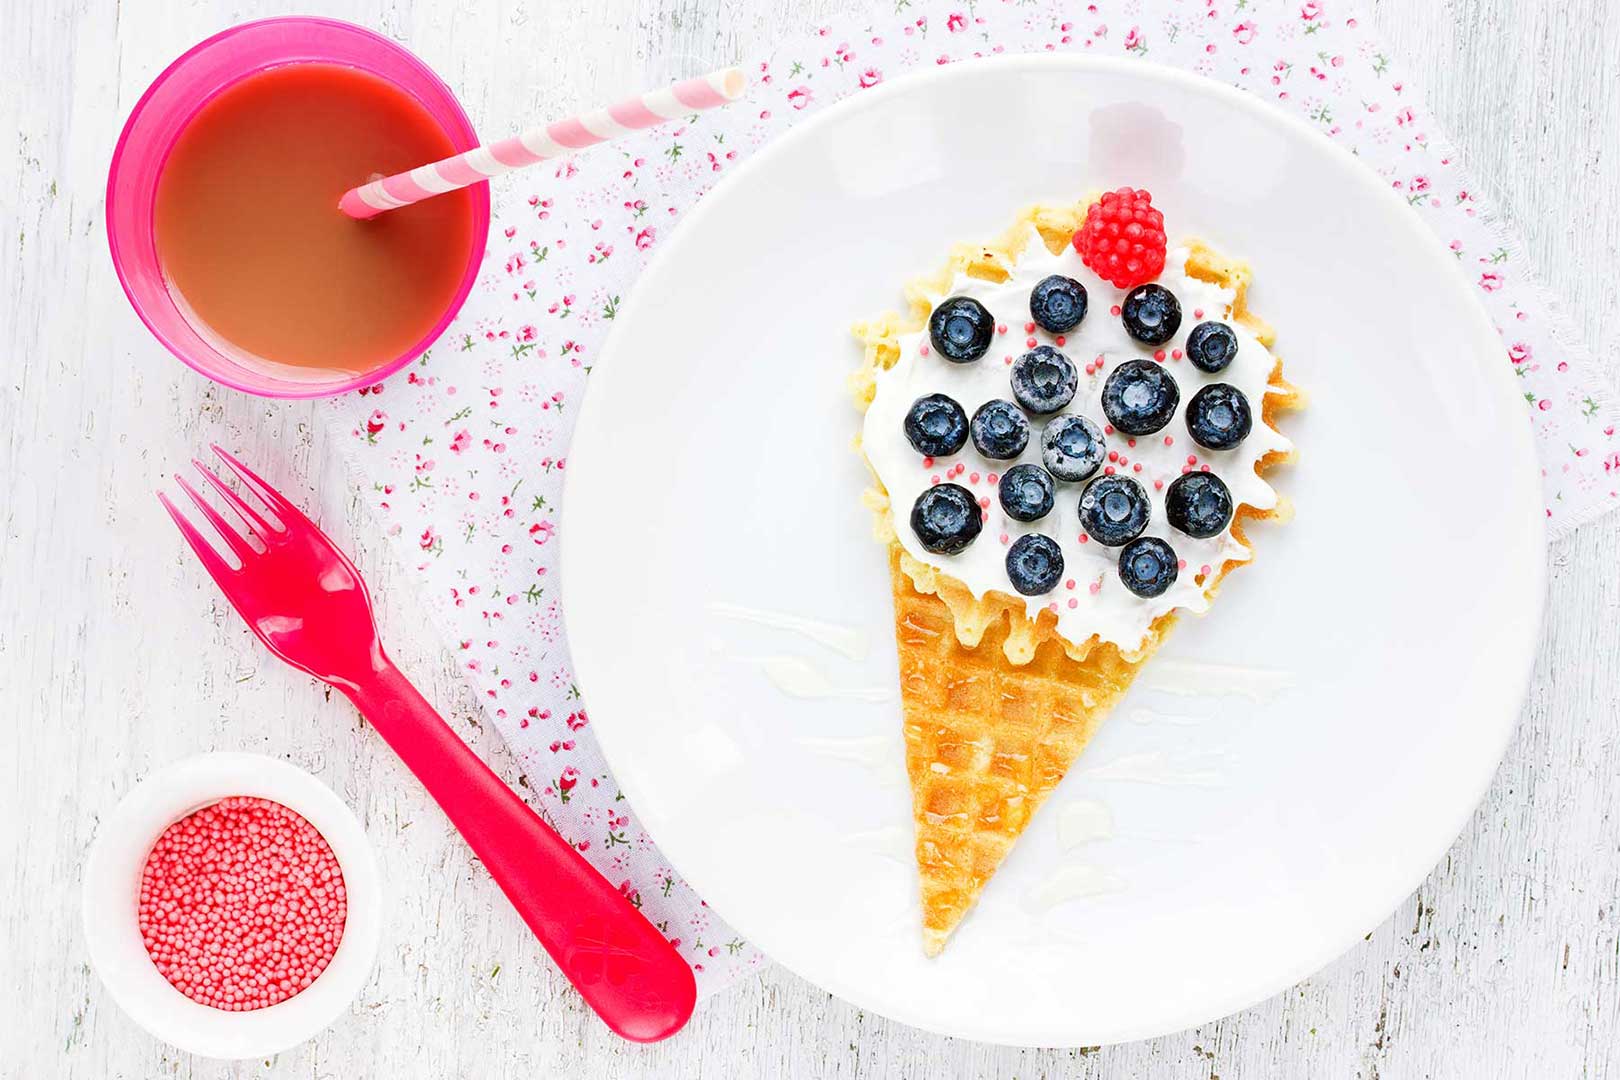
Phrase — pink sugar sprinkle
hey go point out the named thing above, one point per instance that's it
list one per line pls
(935, 478)
(1029, 328)
(1203, 468)
(1113, 455)
(1169, 440)
(1185, 469)
(1030, 341)
(242, 904)
(1001, 328)
(1069, 584)
(1108, 470)
(1060, 339)
(1073, 603)
(1204, 569)
(991, 478)
(1084, 538)
(1181, 564)
(928, 462)
(1137, 467)
(1192, 459)
(1159, 355)
(1108, 429)
(973, 478)
(1158, 485)
(1198, 313)
(1003, 538)
(1114, 310)
(923, 348)
(1006, 360)
(984, 502)
(1096, 587)
(1131, 443)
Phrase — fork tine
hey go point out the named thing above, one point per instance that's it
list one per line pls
(217, 567)
(227, 532)
(286, 511)
(248, 514)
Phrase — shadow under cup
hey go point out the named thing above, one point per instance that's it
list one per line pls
(169, 105)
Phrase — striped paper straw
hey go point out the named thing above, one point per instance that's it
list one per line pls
(544, 143)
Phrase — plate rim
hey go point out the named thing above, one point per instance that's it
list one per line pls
(1530, 629)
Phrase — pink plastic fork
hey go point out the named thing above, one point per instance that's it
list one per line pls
(306, 601)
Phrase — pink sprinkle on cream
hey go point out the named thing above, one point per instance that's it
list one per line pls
(1198, 313)
(1073, 603)
(923, 348)
(242, 904)
(1096, 587)
(1001, 328)
(1060, 339)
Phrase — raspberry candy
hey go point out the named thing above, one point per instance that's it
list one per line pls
(1122, 239)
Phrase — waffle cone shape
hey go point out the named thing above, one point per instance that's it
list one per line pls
(996, 703)
(986, 741)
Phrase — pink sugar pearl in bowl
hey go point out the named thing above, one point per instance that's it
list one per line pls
(232, 905)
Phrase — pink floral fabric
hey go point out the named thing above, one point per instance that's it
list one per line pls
(464, 452)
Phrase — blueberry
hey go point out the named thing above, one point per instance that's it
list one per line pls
(1072, 447)
(1034, 564)
(1114, 510)
(1211, 346)
(936, 426)
(1218, 417)
(1198, 504)
(1026, 492)
(1147, 566)
(1139, 397)
(946, 518)
(960, 329)
(1044, 380)
(999, 430)
(1058, 304)
(1152, 314)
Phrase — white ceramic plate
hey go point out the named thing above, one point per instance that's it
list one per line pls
(1253, 828)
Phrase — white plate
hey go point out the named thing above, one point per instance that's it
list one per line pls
(1251, 845)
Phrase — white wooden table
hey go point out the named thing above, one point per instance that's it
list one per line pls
(117, 656)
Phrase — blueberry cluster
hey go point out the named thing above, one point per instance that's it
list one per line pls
(1139, 397)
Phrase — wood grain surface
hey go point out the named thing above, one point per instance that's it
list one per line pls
(117, 656)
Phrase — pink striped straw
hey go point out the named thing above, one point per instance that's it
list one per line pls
(545, 143)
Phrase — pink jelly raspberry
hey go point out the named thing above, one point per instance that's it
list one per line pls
(1122, 239)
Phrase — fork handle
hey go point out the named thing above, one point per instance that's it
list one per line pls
(620, 963)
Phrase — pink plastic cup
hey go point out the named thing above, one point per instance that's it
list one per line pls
(170, 103)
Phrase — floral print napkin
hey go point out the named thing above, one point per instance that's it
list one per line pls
(463, 453)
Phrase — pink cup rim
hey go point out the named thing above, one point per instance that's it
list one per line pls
(481, 215)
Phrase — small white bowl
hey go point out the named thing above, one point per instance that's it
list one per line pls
(112, 877)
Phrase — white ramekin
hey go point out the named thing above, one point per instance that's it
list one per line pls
(112, 877)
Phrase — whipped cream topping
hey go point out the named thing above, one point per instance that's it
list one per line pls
(1090, 599)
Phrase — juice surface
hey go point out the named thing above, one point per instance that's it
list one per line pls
(249, 235)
